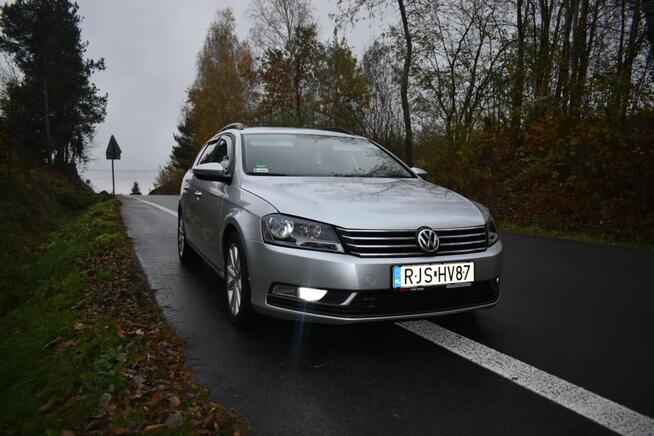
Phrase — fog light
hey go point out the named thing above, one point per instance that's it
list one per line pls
(310, 294)
(306, 294)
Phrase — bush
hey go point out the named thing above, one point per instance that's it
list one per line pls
(576, 176)
(33, 203)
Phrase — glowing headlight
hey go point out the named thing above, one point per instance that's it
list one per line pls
(297, 232)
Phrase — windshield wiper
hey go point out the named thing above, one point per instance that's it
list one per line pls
(267, 174)
(346, 175)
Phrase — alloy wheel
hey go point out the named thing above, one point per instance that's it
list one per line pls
(180, 237)
(234, 280)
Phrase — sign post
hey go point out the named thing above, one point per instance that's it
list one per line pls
(113, 153)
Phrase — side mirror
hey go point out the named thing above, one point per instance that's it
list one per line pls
(419, 172)
(212, 171)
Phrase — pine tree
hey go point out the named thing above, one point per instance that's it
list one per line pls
(185, 149)
(51, 111)
(136, 189)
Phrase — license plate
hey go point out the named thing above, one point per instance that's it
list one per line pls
(413, 276)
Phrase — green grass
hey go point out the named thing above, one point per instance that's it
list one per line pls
(642, 240)
(32, 374)
(33, 203)
(87, 324)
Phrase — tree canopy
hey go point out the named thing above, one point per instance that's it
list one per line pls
(539, 108)
(50, 111)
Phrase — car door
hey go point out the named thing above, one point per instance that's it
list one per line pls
(191, 196)
(212, 199)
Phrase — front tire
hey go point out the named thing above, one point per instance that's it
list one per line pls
(237, 283)
(187, 255)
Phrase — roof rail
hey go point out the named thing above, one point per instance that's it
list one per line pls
(338, 130)
(237, 126)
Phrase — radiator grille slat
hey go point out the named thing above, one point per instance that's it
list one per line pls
(402, 243)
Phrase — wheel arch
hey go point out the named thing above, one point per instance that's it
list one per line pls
(231, 226)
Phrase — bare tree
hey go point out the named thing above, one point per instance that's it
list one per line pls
(275, 22)
(381, 120)
(460, 45)
(350, 9)
(648, 7)
(404, 92)
(519, 82)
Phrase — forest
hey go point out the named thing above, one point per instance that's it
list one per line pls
(540, 109)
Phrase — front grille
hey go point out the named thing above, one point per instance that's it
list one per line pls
(392, 302)
(402, 243)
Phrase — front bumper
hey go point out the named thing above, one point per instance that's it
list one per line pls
(369, 278)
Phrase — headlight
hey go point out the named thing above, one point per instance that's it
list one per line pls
(493, 234)
(300, 233)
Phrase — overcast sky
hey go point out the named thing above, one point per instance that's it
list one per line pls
(150, 48)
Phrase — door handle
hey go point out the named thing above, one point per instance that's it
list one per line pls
(198, 194)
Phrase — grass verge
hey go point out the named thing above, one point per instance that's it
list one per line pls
(33, 203)
(88, 351)
(631, 240)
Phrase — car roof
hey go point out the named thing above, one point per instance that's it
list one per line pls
(287, 130)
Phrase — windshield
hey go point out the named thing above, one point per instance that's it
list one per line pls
(274, 154)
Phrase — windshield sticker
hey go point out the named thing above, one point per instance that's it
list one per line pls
(260, 168)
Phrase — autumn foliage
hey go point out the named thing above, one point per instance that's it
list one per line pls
(540, 109)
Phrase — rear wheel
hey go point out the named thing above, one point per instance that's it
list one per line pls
(187, 255)
(237, 283)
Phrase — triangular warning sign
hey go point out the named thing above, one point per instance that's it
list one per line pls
(113, 150)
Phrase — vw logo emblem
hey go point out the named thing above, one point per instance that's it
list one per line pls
(427, 240)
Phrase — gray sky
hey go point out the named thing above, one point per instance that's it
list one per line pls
(150, 48)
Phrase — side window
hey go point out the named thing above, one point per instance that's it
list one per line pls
(220, 152)
(205, 157)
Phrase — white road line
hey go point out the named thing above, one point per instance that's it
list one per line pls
(592, 406)
(603, 411)
(165, 209)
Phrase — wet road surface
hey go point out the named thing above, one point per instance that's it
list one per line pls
(581, 312)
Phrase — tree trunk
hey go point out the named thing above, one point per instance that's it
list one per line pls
(46, 113)
(516, 113)
(298, 95)
(631, 51)
(563, 81)
(404, 89)
(542, 65)
(648, 6)
(578, 72)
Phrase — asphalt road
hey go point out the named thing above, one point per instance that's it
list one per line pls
(581, 312)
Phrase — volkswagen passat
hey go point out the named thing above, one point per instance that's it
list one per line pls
(327, 226)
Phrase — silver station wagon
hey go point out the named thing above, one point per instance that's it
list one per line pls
(326, 226)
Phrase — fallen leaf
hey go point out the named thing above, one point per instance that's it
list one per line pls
(94, 425)
(139, 381)
(65, 344)
(174, 402)
(104, 400)
(48, 406)
(175, 420)
(153, 427)
(52, 342)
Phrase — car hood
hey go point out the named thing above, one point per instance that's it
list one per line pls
(367, 203)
